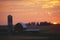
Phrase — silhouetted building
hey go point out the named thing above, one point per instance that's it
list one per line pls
(28, 24)
(33, 24)
(19, 27)
(3, 28)
(10, 25)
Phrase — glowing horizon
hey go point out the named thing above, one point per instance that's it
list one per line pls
(30, 11)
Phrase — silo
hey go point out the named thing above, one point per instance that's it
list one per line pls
(10, 23)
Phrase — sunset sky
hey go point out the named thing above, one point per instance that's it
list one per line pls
(30, 11)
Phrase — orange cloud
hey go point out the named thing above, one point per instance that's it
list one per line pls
(51, 4)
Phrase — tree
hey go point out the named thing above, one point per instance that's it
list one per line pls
(45, 24)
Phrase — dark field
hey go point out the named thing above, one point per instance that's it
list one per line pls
(29, 36)
(47, 33)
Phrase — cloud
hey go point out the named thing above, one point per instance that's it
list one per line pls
(11, 0)
(39, 10)
(51, 4)
(40, 3)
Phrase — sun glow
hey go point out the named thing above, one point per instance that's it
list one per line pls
(55, 23)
